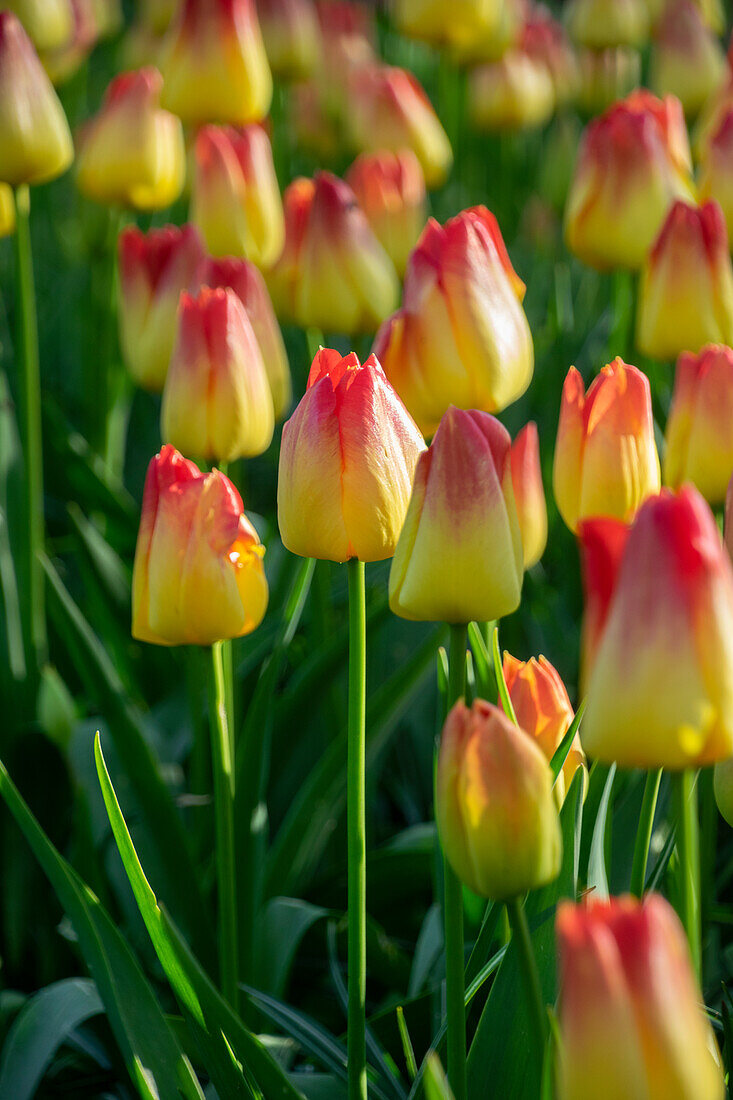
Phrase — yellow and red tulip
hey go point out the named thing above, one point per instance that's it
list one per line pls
(716, 169)
(48, 23)
(390, 189)
(601, 543)
(529, 494)
(600, 24)
(292, 37)
(605, 76)
(698, 443)
(516, 92)
(688, 61)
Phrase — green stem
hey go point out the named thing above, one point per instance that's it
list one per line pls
(644, 831)
(530, 975)
(34, 607)
(688, 848)
(356, 826)
(223, 768)
(111, 396)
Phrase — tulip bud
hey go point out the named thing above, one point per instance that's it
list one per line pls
(198, 576)
(698, 443)
(513, 93)
(217, 402)
(605, 76)
(35, 142)
(634, 161)
(48, 23)
(711, 117)
(461, 25)
(155, 268)
(686, 288)
(599, 24)
(544, 40)
(459, 557)
(687, 59)
(333, 273)
(390, 189)
(64, 62)
(529, 494)
(291, 35)
(461, 336)
(214, 64)
(348, 38)
(496, 817)
(712, 14)
(661, 686)
(347, 463)
(157, 14)
(132, 152)
(316, 129)
(249, 286)
(716, 169)
(631, 1013)
(601, 542)
(236, 199)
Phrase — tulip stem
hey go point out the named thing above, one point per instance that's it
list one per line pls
(688, 848)
(530, 975)
(356, 827)
(223, 769)
(644, 831)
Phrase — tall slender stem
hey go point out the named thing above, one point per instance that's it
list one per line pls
(644, 831)
(356, 826)
(530, 975)
(688, 847)
(223, 769)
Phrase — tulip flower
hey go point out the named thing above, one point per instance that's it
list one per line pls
(390, 189)
(155, 268)
(461, 336)
(316, 128)
(249, 286)
(529, 494)
(64, 62)
(348, 40)
(606, 461)
(687, 59)
(132, 151)
(698, 443)
(347, 463)
(661, 686)
(35, 141)
(459, 557)
(601, 542)
(712, 115)
(716, 169)
(48, 23)
(599, 24)
(214, 64)
(333, 273)
(217, 402)
(496, 817)
(236, 199)
(292, 37)
(686, 288)
(605, 76)
(471, 31)
(198, 576)
(634, 161)
(713, 14)
(157, 14)
(631, 1014)
(544, 40)
(514, 93)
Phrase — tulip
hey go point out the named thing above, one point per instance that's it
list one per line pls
(217, 402)
(214, 64)
(544, 40)
(7, 211)
(35, 141)
(686, 288)
(661, 686)
(132, 151)
(605, 76)
(716, 169)
(348, 39)
(728, 520)
(347, 463)
(513, 93)
(64, 62)
(461, 336)
(459, 557)
(601, 542)
(236, 199)
(599, 24)
(48, 23)
(291, 35)
(496, 817)
(249, 286)
(606, 461)
(333, 273)
(198, 576)
(109, 17)
(687, 59)
(712, 116)
(529, 494)
(634, 161)
(631, 1014)
(497, 29)
(316, 128)
(155, 268)
(390, 189)
(157, 14)
(713, 14)
(698, 443)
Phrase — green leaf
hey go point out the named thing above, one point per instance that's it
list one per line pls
(436, 1082)
(486, 684)
(504, 699)
(282, 925)
(561, 752)
(597, 873)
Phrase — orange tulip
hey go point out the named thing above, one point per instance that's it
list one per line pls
(698, 444)
(529, 493)
(390, 189)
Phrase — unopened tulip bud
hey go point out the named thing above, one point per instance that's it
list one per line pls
(713, 14)
(132, 151)
(661, 686)
(496, 817)
(601, 543)
(390, 189)
(464, 26)
(109, 17)
(545, 41)
(459, 557)
(529, 494)
(64, 62)
(461, 337)
(514, 93)
(711, 117)
(599, 24)
(716, 169)
(291, 35)
(198, 576)
(605, 76)
(217, 402)
(687, 59)
(686, 289)
(698, 442)
(347, 463)
(48, 23)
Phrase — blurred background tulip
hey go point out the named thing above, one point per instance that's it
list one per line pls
(605, 76)
(687, 59)
(48, 23)
(390, 189)
(529, 494)
(698, 442)
(716, 169)
(514, 93)
(292, 37)
(599, 24)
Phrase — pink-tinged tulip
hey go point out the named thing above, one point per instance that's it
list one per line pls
(249, 286)
(686, 288)
(236, 199)
(606, 461)
(529, 494)
(687, 59)
(716, 169)
(459, 556)
(390, 189)
(544, 40)
(543, 710)
(601, 543)
(347, 463)
(514, 93)
(634, 161)
(333, 273)
(217, 402)
(496, 816)
(661, 686)
(461, 337)
(292, 37)
(348, 39)
(214, 64)
(605, 76)
(632, 1019)
(600, 24)
(35, 141)
(132, 151)
(698, 441)
(198, 576)
(155, 268)
(48, 23)
(65, 61)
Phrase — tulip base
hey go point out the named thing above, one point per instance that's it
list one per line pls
(688, 848)
(356, 828)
